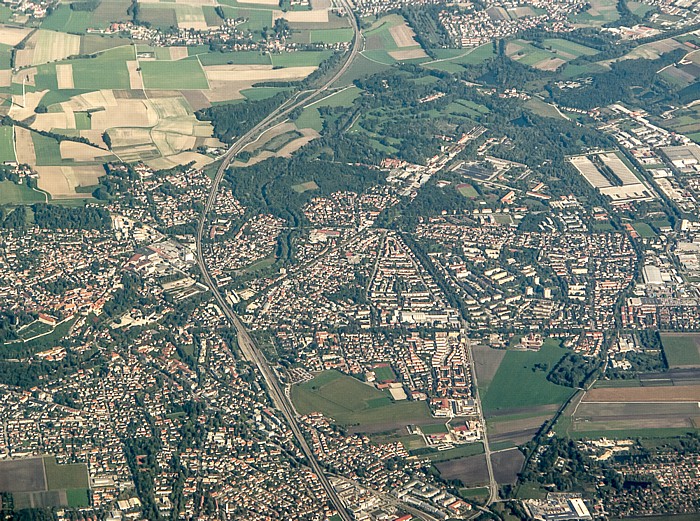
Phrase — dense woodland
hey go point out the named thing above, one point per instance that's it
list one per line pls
(267, 186)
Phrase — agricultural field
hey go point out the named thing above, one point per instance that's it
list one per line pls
(7, 145)
(390, 39)
(601, 12)
(518, 384)
(681, 349)
(470, 471)
(13, 194)
(41, 482)
(353, 403)
(551, 56)
(113, 110)
(182, 74)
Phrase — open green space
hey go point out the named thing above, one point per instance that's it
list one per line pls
(7, 146)
(66, 20)
(310, 118)
(519, 384)
(299, 58)
(260, 93)
(622, 434)
(567, 47)
(435, 428)
(256, 19)
(14, 194)
(305, 187)
(331, 35)
(343, 98)
(644, 230)
(112, 66)
(460, 451)
(237, 58)
(78, 497)
(383, 373)
(34, 329)
(681, 349)
(48, 151)
(65, 476)
(182, 74)
(350, 402)
(452, 60)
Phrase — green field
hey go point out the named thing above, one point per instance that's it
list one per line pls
(343, 98)
(183, 74)
(460, 451)
(518, 384)
(7, 146)
(13, 194)
(331, 35)
(66, 20)
(78, 497)
(34, 329)
(681, 349)
(350, 402)
(384, 373)
(644, 230)
(259, 93)
(48, 151)
(305, 187)
(467, 190)
(299, 58)
(112, 67)
(65, 476)
(565, 48)
(238, 58)
(310, 118)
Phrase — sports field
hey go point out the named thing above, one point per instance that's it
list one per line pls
(518, 384)
(351, 402)
(681, 349)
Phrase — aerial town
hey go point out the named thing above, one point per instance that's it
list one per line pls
(338, 260)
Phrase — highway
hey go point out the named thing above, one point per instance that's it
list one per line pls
(246, 344)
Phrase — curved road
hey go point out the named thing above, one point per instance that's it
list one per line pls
(251, 352)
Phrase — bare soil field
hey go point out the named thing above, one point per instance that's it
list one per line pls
(135, 80)
(51, 120)
(178, 53)
(81, 152)
(403, 35)
(64, 76)
(255, 73)
(305, 17)
(200, 161)
(23, 107)
(22, 475)
(506, 465)
(287, 150)
(129, 137)
(487, 361)
(5, 78)
(549, 64)
(12, 35)
(129, 113)
(412, 54)
(518, 431)
(470, 471)
(680, 393)
(24, 146)
(61, 181)
(47, 46)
